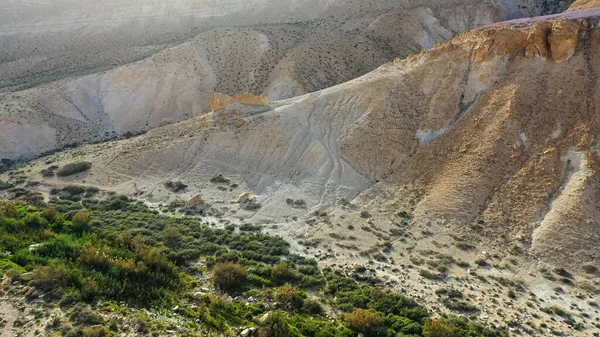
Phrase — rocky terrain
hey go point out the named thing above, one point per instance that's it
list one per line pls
(471, 165)
(462, 174)
(120, 73)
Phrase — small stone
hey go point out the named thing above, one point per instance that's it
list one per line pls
(198, 294)
(31, 293)
(264, 317)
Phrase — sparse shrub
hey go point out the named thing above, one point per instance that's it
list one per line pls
(365, 214)
(5, 185)
(83, 314)
(74, 168)
(289, 295)
(175, 186)
(464, 246)
(228, 275)
(590, 269)
(437, 327)
(219, 179)
(432, 276)
(282, 273)
(365, 321)
(81, 221)
(562, 272)
(47, 173)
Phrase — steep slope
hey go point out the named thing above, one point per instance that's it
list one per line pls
(277, 60)
(495, 130)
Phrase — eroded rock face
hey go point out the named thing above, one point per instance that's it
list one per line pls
(219, 101)
(555, 40)
(563, 39)
(537, 41)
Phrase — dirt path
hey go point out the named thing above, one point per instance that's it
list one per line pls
(8, 315)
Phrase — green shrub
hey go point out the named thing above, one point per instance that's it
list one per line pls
(275, 326)
(74, 168)
(5, 185)
(81, 221)
(228, 275)
(437, 327)
(290, 296)
(282, 273)
(364, 321)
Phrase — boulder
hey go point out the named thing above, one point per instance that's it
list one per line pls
(563, 40)
(27, 276)
(244, 197)
(195, 201)
(31, 293)
(247, 332)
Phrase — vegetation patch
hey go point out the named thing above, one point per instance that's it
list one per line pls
(210, 281)
(175, 186)
(5, 185)
(74, 168)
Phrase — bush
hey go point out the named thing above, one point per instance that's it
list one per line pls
(175, 186)
(282, 273)
(81, 221)
(290, 296)
(275, 326)
(74, 168)
(312, 307)
(228, 275)
(364, 321)
(4, 185)
(437, 328)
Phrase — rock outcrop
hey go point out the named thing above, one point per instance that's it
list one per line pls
(219, 101)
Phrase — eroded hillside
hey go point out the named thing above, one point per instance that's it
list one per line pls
(496, 127)
(91, 91)
(471, 166)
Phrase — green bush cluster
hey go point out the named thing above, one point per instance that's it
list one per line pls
(74, 168)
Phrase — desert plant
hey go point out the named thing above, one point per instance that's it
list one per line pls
(228, 275)
(282, 273)
(74, 168)
(364, 321)
(81, 221)
(437, 327)
(175, 186)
